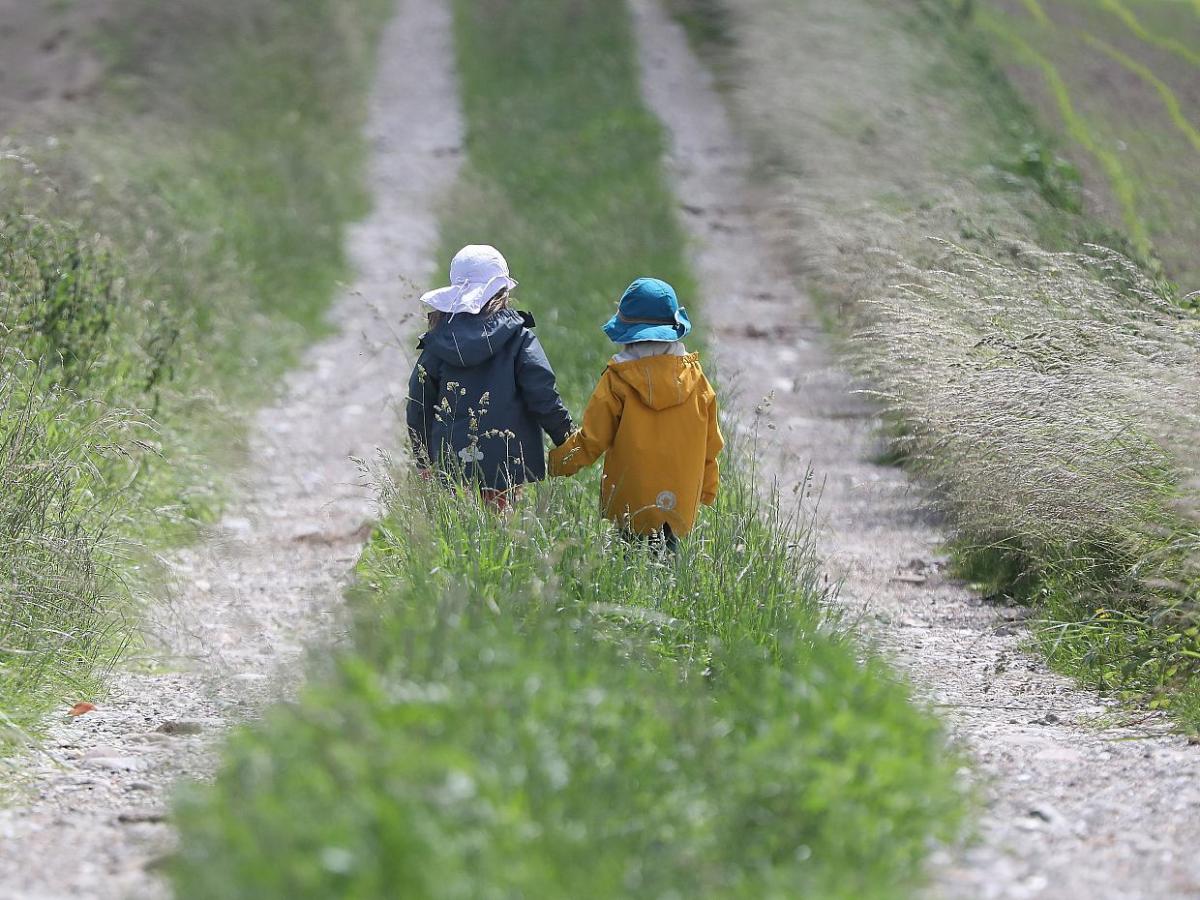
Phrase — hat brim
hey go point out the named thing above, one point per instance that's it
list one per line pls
(467, 298)
(631, 332)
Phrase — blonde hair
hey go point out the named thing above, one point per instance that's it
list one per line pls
(493, 306)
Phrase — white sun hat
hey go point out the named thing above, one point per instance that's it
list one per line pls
(477, 274)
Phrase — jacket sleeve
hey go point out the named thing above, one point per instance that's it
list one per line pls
(715, 444)
(420, 412)
(590, 442)
(535, 380)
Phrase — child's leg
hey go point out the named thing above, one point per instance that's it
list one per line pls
(670, 541)
(495, 499)
(658, 542)
(501, 501)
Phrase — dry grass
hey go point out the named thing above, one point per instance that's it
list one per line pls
(1043, 395)
(218, 161)
(56, 551)
(1049, 397)
(75, 344)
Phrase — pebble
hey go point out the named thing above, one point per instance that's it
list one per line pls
(101, 752)
(115, 763)
(151, 737)
(238, 525)
(141, 816)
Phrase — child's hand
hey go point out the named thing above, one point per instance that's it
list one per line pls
(557, 458)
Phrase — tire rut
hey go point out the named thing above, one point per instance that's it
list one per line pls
(1074, 806)
(92, 814)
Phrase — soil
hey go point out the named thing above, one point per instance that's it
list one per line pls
(91, 816)
(1077, 800)
(45, 56)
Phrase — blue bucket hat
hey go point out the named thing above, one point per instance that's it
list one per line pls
(649, 311)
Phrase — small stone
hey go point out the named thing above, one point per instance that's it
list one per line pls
(237, 524)
(1057, 754)
(114, 763)
(151, 737)
(1046, 813)
(101, 752)
(310, 533)
(141, 816)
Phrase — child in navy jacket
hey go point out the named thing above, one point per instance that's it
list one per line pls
(482, 391)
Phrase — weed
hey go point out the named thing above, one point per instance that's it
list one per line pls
(1057, 180)
(219, 241)
(74, 346)
(1031, 416)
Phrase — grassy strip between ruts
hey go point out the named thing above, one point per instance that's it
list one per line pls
(528, 708)
(164, 248)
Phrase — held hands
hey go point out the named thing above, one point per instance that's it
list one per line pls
(561, 454)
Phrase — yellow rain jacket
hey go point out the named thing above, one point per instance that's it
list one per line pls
(656, 419)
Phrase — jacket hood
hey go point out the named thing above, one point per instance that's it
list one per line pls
(661, 381)
(467, 340)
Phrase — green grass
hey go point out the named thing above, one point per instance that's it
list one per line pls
(1080, 131)
(526, 707)
(76, 343)
(161, 260)
(1117, 82)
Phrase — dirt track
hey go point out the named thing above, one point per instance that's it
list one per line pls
(1074, 809)
(43, 62)
(268, 580)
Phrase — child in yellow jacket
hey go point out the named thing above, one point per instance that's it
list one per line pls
(653, 417)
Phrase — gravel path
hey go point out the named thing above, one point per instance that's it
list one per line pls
(267, 581)
(46, 59)
(1075, 805)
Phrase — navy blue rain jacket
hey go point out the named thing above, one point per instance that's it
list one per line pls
(480, 396)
